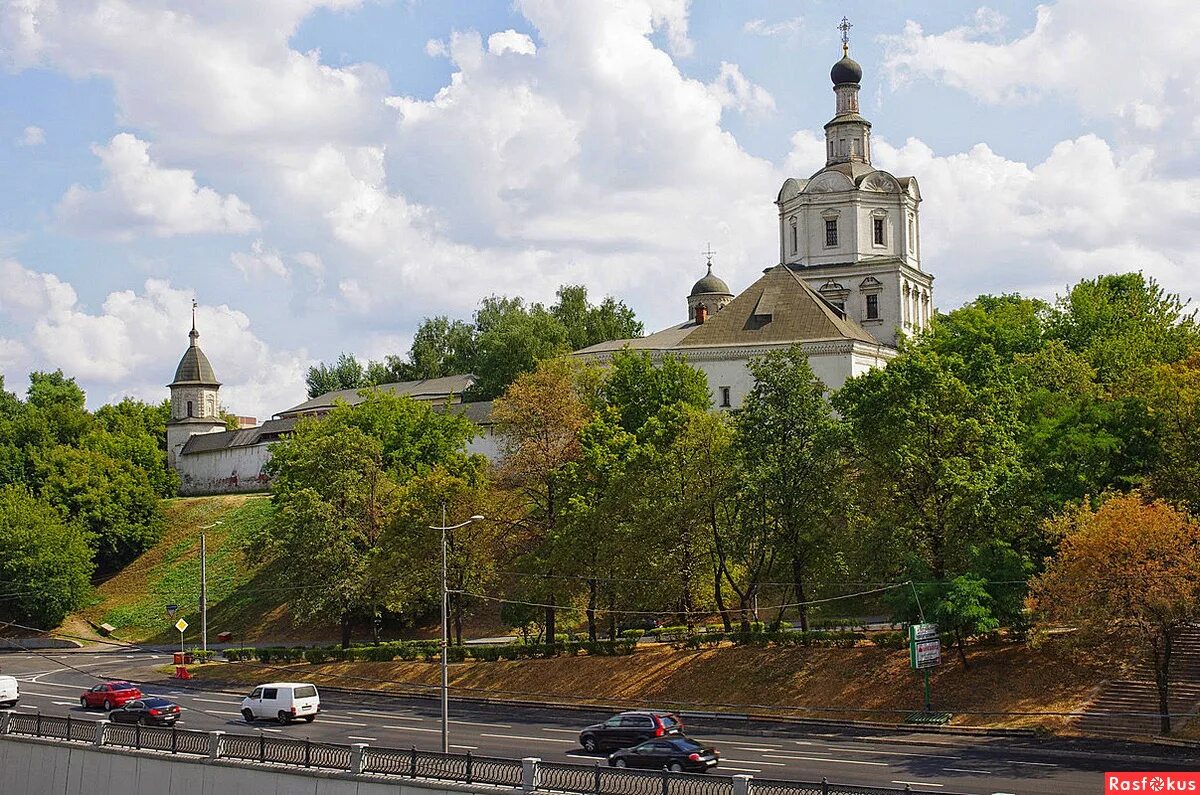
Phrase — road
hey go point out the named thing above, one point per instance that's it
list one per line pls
(927, 762)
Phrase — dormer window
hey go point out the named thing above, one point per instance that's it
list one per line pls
(831, 232)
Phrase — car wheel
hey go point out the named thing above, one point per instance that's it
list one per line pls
(247, 716)
(676, 767)
(620, 763)
(83, 702)
(589, 744)
(309, 718)
(107, 705)
(284, 718)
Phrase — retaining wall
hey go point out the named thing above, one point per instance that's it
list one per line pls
(41, 767)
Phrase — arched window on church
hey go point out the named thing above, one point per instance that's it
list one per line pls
(795, 237)
(189, 408)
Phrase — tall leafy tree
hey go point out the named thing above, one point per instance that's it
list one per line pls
(1130, 568)
(1171, 393)
(511, 340)
(937, 459)
(47, 562)
(589, 324)
(652, 398)
(112, 499)
(539, 418)
(345, 373)
(440, 347)
(1123, 323)
(792, 460)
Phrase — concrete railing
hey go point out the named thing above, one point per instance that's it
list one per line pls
(526, 775)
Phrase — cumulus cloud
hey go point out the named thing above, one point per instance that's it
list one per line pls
(1152, 74)
(31, 136)
(511, 41)
(130, 346)
(260, 261)
(733, 90)
(786, 27)
(140, 197)
(989, 223)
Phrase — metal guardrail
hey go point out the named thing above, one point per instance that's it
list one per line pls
(528, 775)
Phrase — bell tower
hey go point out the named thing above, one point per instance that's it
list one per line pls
(194, 404)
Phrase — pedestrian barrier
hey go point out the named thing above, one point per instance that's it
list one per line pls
(525, 774)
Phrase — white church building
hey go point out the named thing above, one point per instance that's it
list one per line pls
(849, 279)
(848, 284)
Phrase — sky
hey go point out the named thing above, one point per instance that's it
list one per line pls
(320, 175)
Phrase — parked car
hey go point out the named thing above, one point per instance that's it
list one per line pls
(153, 710)
(677, 754)
(282, 701)
(629, 728)
(10, 692)
(109, 695)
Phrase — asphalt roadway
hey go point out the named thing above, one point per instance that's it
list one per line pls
(926, 761)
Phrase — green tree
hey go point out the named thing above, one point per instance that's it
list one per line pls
(440, 347)
(1172, 396)
(791, 457)
(937, 459)
(511, 340)
(111, 499)
(56, 403)
(641, 390)
(47, 564)
(587, 324)
(1123, 323)
(346, 373)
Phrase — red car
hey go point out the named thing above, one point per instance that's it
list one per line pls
(109, 695)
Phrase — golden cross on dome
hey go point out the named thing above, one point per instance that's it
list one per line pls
(844, 26)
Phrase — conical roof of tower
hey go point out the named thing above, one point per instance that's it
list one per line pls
(194, 368)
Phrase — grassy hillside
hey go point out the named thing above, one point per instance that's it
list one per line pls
(243, 597)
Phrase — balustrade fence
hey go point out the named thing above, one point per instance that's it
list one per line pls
(528, 775)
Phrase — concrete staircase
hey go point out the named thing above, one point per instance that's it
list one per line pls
(1109, 712)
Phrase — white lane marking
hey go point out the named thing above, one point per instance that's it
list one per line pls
(484, 725)
(360, 737)
(343, 722)
(524, 737)
(757, 748)
(826, 759)
(742, 769)
(387, 715)
(965, 770)
(889, 753)
(1038, 764)
(211, 700)
(903, 740)
(560, 731)
(751, 746)
(276, 731)
(755, 762)
(919, 783)
(467, 747)
(411, 729)
(64, 703)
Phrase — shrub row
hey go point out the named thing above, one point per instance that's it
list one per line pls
(782, 638)
(428, 651)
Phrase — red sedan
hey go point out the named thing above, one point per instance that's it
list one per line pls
(109, 695)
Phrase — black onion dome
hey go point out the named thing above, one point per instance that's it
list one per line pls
(846, 70)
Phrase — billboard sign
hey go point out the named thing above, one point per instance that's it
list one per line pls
(924, 646)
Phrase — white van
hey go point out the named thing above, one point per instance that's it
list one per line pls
(10, 694)
(282, 701)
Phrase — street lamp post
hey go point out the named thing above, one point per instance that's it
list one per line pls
(204, 588)
(446, 629)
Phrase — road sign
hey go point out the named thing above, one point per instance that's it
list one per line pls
(924, 646)
(171, 610)
(181, 625)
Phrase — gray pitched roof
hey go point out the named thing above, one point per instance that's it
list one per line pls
(426, 389)
(779, 308)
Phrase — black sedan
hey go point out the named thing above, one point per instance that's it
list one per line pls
(157, 711)
(677, 754)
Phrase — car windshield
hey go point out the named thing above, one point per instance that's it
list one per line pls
(687, 746)
(156, 702)
(308, 691)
